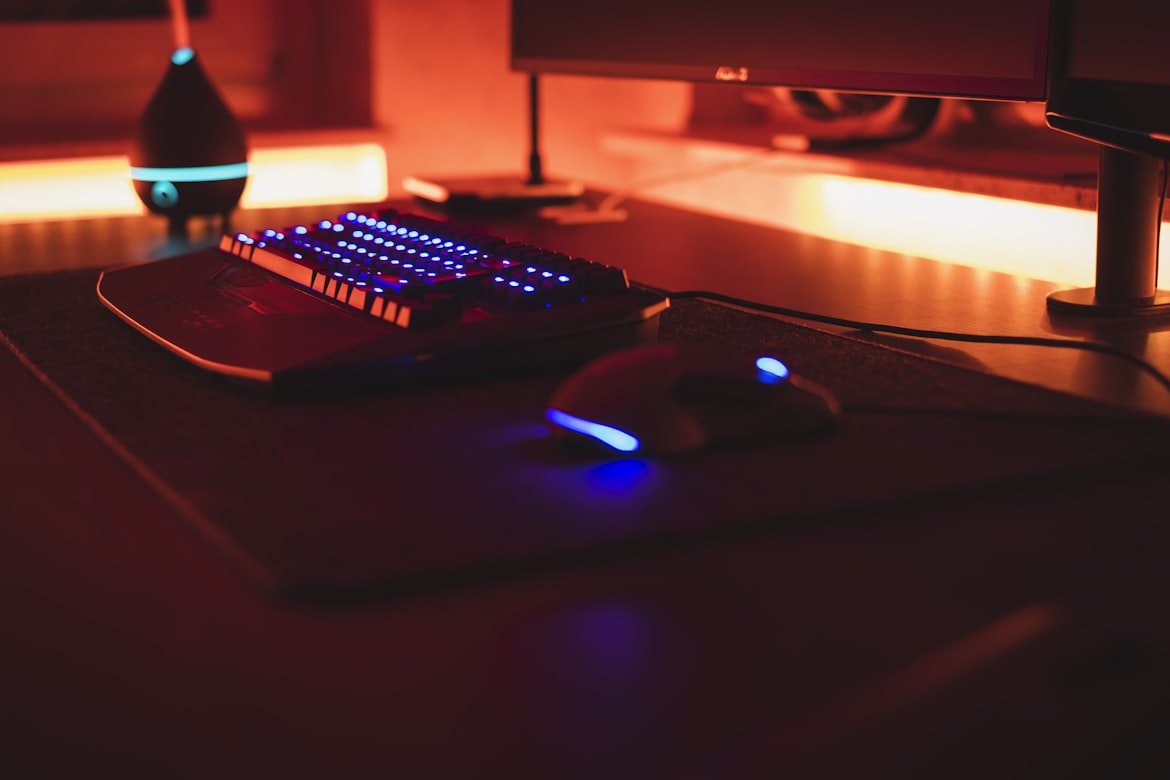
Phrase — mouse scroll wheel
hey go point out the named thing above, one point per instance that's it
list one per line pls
(715, 388)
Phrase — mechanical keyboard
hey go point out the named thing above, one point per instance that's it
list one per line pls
(378, 298)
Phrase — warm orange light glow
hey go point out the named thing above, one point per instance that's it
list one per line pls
(351, 173)
(996, 234)
(98, 187)
(52, 189)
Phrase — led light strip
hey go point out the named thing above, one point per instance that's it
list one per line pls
(1042, 241)
(101, 186)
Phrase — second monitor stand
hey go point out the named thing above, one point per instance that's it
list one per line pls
(1129, 212)
(499, 193)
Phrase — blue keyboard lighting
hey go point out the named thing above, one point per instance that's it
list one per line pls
(413, 290)
(608, 435)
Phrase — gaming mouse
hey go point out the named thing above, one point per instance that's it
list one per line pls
(667, 399)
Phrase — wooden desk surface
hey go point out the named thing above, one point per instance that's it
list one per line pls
(676, 250)
(979, 635)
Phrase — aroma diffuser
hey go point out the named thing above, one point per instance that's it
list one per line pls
(188, 155)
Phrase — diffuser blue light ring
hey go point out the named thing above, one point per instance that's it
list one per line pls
(618, 439)
(196, 173)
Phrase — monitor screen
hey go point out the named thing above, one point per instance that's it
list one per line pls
(1110, 79)
(987, 49)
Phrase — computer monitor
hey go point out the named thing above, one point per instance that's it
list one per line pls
(1087, 59)
(1109, 82)
(1110, 76)
(989, 49)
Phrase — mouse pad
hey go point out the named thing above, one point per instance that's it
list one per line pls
(403, 487)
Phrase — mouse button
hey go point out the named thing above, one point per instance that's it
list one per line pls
(596, 386)
(802, 411)
(721, 389)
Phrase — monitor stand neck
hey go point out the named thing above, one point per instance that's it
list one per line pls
(506, 192)
(535, 167)
(1129, 210)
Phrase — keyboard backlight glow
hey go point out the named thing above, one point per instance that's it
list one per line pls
(613, 437)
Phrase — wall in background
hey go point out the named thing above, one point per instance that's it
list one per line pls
(449, 104)
(429, 80)
(289, 65)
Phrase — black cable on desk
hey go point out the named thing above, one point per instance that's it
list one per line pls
(925, 333)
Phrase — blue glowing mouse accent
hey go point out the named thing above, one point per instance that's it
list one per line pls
(194, 173)
(164, 194)
(618, 439)
(772, 371)
(183, 56)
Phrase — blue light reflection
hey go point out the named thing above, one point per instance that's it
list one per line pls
(613, 642)
(620, 478)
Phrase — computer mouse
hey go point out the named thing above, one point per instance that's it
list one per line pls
(668, 399)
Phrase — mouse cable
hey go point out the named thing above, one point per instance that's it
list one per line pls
(924, 333)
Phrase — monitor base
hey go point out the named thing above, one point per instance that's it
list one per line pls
(1083, 302)
(491, 193)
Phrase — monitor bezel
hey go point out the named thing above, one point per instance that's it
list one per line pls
(1033, 88)
(1120, 114)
